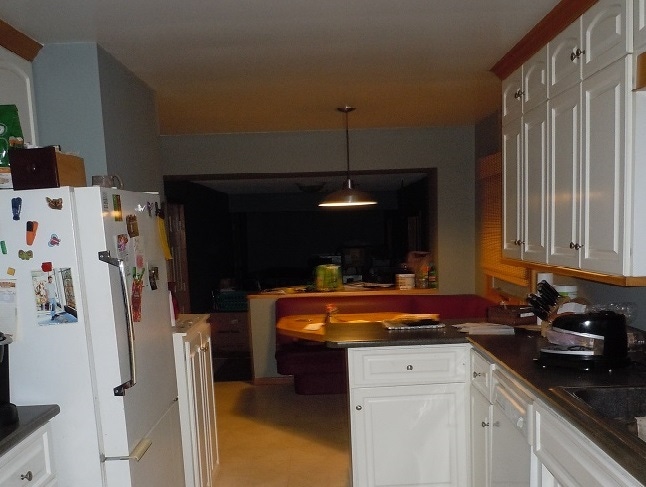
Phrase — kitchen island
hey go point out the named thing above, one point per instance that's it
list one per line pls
(375, 356)
(262, 321)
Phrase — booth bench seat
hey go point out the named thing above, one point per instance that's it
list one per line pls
(318, 369)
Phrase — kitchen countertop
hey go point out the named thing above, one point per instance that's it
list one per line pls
(364, 330)
(517, 353)
(294, 292)
(30, 418)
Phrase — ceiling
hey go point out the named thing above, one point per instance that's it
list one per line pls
(285, 65)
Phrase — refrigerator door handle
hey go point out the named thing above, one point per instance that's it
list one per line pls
(137, 452)
(104, 256)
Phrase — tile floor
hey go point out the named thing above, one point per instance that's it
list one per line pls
(271, 437)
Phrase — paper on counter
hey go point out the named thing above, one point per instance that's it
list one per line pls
(572, 307)
(313, 326)
(485, 329)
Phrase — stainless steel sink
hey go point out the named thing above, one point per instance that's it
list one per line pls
(617, 404)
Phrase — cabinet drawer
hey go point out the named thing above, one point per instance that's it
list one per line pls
(229, 331)
(408, 365)
(28, 463)
(481, 374)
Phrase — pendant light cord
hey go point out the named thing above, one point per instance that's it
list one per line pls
(347, 143)
(347, 109)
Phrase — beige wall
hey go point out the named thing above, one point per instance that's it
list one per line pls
(449, 149)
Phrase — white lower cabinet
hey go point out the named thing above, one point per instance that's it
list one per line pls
(193, 362)
(567, 458)
(409, 415)
(30, 462)
(481, 414)
(481, 419)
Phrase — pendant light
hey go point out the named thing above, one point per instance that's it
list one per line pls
(347, 195)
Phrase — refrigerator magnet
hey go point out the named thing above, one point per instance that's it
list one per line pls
(32, 227)
(46, 266)
(53, 240)
(3, 247)
(25, 254)
(116, 206)
(132, 225)
(16, 207)
(55, 203)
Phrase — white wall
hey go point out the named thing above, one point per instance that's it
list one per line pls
(68, 102)
(449, 149)
(90, 105)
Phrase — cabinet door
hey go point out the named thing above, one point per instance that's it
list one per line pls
(199, 414)
(481, 414)
(510, 452)
(16, 88)
(409, 435)
(564, 63)
(606, 36)
(606, 125)
(639, 25)
(512, 190)
(481, 374)
(535, 80)
(534, 232)
(564, 177)
(210, 433)
(512, 96)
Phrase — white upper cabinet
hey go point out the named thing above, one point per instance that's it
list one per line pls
(606, 132)
(607, 34)
(582, 164)
(534, 190)
(564, 177)
(564, 53)
(589, 149)
(525, 88)
(535, 80)
(512, 207)
(16, 88)
(512, 96)
(595, 40)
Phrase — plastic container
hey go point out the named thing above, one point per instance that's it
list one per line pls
(405, 281)
(567, 291)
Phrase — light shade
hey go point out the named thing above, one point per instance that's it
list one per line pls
(347, 196)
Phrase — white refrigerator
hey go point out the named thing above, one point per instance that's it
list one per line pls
(83, 290)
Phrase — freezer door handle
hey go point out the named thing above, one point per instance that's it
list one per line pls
(104, 256)
(137, 452)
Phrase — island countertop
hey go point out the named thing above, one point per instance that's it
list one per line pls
(364, 330)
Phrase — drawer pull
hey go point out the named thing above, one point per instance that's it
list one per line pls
(484, 425)
(358, 408)
(28, 476)
(409, 367)
(477, 374)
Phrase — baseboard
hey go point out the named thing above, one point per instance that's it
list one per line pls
(268, 381)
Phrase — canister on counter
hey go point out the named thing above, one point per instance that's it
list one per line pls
(328, 277)
(404, 281)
